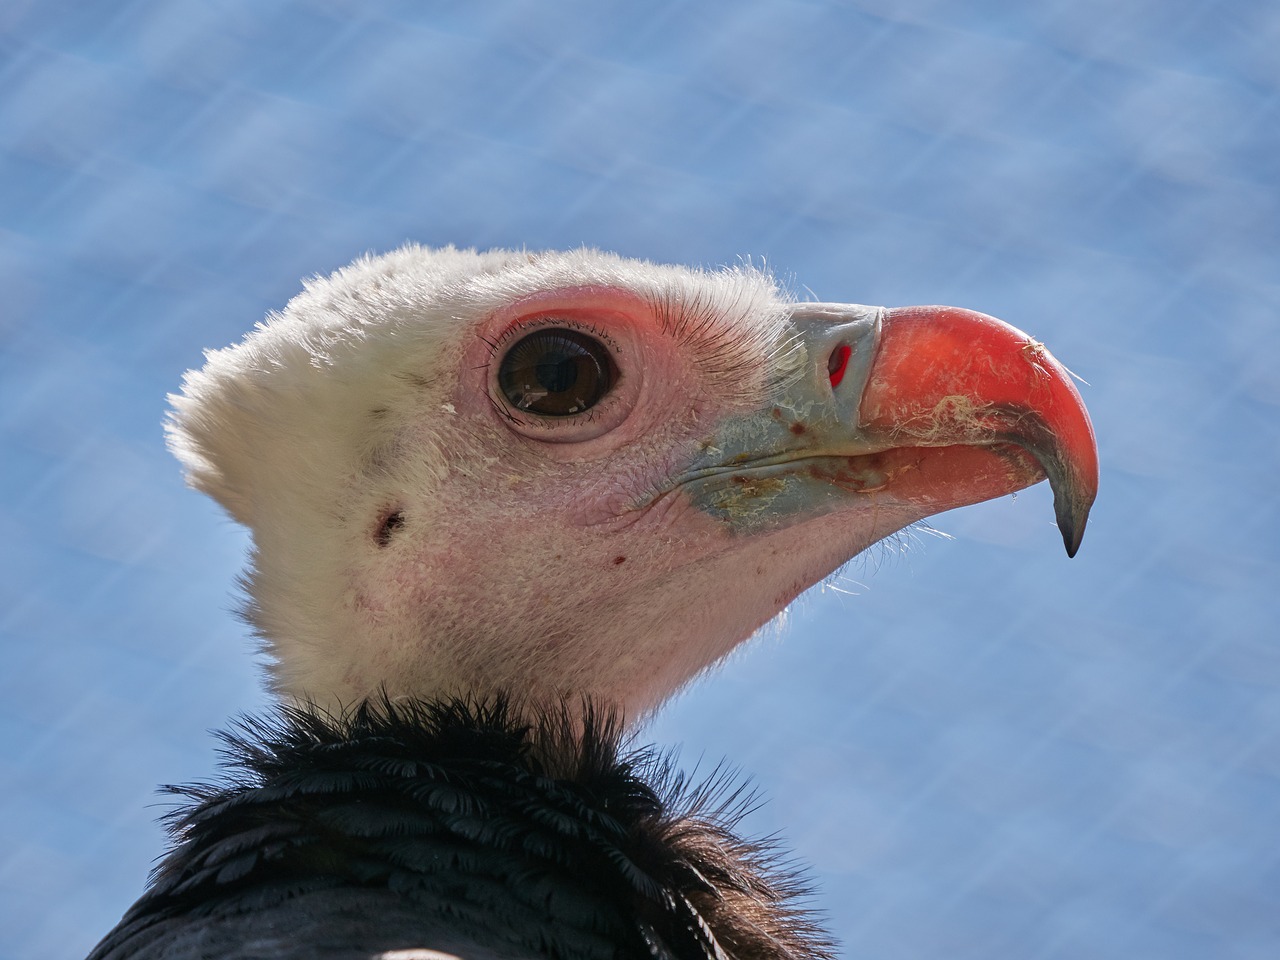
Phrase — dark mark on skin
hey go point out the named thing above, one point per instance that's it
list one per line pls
(392, 522)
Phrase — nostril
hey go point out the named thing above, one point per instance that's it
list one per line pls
(837, 363)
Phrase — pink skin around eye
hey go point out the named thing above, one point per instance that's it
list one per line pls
(592, 305)
(655, 388)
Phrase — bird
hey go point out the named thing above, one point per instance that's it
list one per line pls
(503, 505)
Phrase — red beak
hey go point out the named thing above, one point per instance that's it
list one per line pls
(997, 411)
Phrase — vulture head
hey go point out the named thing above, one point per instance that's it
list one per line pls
(557, 476)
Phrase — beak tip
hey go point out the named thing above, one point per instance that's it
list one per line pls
(1071, 521)
(1071, 542)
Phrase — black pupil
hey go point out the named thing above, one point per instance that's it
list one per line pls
(556, 373)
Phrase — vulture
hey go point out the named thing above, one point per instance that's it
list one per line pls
(503, 504)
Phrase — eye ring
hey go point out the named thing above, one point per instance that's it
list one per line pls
(556, 373)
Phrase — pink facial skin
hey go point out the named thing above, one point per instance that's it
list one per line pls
(565, 558)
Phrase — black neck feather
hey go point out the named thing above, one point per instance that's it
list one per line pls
(544, 839)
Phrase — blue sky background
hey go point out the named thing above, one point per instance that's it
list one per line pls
(981, 748)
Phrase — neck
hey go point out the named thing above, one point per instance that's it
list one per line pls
(462, 802)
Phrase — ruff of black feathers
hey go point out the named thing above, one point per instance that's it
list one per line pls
(413, 824)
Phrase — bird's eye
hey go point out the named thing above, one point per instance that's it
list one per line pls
(556, 373)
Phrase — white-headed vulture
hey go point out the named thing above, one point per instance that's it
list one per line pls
(503, 505)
